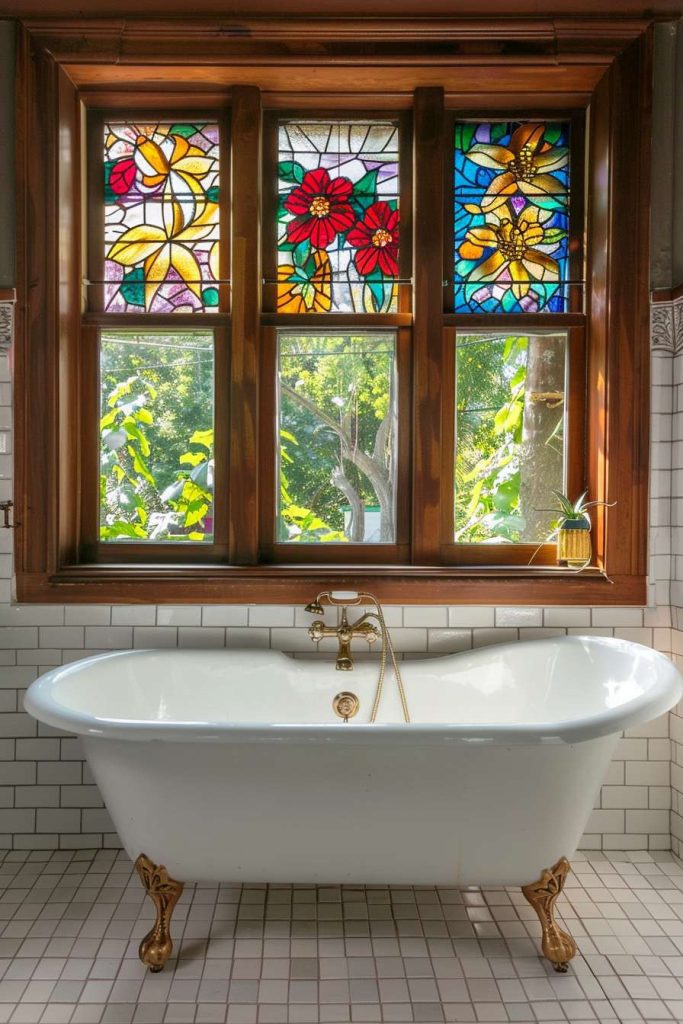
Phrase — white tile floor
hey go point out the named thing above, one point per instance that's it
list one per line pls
(71, 924)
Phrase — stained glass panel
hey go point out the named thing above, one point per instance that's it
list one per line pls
(161, 184)
(511, 217)
(338, 217)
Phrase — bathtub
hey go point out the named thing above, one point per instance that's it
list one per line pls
(231, 765)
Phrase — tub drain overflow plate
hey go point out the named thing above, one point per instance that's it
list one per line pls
(346, 705)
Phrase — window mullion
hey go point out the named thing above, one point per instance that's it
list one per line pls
(427, 334)
(245, 245)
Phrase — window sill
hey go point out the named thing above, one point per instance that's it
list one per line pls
(294, 584)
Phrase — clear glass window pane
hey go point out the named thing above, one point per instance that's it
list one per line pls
(156, 436)
(337, 429)
(161, 217)
(510, 435)
(338, 216)
(512, 195)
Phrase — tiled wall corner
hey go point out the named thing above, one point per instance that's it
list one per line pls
(48, 798)
(674, 323)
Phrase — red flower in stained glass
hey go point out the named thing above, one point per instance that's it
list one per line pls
(321, 208)
(376, 240)
(122, 176)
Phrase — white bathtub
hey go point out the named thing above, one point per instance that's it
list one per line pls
(230, 765)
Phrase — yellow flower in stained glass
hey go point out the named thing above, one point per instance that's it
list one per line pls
(518, 248)
(178, 165)
(160, 248)
(305, 288)
(525, 164)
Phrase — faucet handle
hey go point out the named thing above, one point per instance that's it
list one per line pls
(316, 630)
(344, 597)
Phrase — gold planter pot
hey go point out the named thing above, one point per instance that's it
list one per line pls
(574, 547)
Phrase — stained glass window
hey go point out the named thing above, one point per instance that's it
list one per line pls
(161, 229)
(511, 217)
(338, 216)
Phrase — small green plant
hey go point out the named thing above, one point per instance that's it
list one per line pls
(571, 515)
(573, 512)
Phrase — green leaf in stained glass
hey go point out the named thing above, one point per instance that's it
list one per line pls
(109, 194)
(367, 185)
(553, 235)
(186, 130)
(291, 171)
(365, 191)
(464, 133)
(282, 211)
(301, 253)
(553, 133)
(213, 194)
(376, 286)
(133, 287)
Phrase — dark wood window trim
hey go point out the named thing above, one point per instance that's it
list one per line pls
(57, 73)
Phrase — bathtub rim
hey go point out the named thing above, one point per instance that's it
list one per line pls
(658, 699)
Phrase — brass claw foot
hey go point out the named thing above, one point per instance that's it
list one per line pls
(558, 947)
(157, 946)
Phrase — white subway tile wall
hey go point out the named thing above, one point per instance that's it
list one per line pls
(48, 799)
(675, 522)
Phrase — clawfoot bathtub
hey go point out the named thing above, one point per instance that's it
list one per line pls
(232, 765)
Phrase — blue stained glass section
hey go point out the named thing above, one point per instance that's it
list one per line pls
(512, 194)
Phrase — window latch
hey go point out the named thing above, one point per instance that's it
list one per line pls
(5, 509)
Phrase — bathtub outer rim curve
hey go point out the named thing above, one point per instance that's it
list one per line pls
(39, 701)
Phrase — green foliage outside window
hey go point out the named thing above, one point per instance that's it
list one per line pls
(337, 427)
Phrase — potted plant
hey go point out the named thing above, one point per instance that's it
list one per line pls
(573, 529)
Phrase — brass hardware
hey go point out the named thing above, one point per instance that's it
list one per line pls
(157, 945)
(344, 632)
(558, 946)
(346, 705)
(5, 507)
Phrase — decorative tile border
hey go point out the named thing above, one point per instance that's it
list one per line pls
(666, 325)
(6, 325)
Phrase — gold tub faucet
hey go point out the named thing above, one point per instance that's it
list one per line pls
(346, 704)
(344, 632)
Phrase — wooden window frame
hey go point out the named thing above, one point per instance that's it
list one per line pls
(398, 552)
(573, 321)
(94, 321)
(56, 558)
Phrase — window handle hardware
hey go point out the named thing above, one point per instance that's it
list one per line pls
(5, 508)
